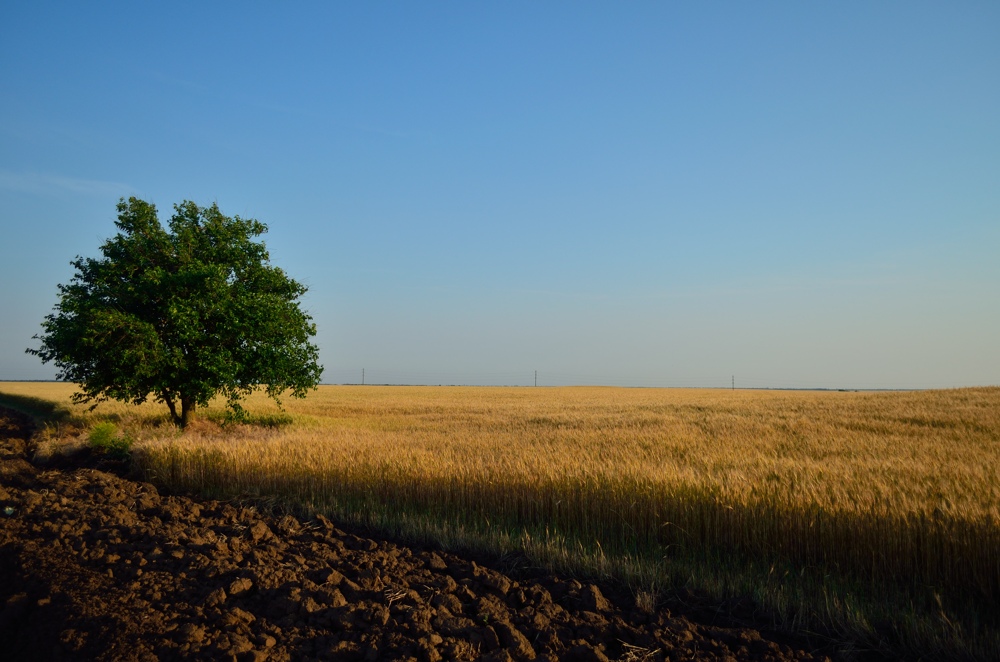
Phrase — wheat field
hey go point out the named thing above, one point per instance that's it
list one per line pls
(890, 490)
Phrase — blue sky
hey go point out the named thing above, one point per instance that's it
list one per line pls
(797, 194)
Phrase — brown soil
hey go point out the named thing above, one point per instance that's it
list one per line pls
(96, 566)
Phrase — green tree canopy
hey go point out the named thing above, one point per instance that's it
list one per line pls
(181, 314)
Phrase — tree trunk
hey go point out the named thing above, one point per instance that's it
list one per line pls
(173, 409)
(188, 406)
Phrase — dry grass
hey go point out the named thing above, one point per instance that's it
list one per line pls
(897, 489)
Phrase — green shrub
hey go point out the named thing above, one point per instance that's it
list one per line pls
(105, 438)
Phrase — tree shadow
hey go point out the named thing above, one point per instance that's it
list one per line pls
(259, 420)
(47, 411)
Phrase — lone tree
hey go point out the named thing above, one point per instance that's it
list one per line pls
(181, 315)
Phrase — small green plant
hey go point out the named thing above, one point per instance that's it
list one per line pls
(105, 438)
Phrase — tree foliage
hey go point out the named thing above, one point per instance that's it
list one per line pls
(181, 315)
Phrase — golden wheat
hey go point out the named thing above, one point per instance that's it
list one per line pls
(900, 484)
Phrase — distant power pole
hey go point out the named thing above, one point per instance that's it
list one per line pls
(362, 376)
(536, 378)
(734, 382)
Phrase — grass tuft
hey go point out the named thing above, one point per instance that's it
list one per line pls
(106, 439)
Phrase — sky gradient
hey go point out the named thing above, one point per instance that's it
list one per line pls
(651, 194)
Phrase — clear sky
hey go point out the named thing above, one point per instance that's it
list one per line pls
(642, 193)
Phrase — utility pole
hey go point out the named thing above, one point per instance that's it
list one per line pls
(362, 376)
(536, 378)
(734, 382)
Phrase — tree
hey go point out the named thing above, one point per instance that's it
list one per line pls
(181, 315)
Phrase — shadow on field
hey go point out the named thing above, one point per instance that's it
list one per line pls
(40, 408)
